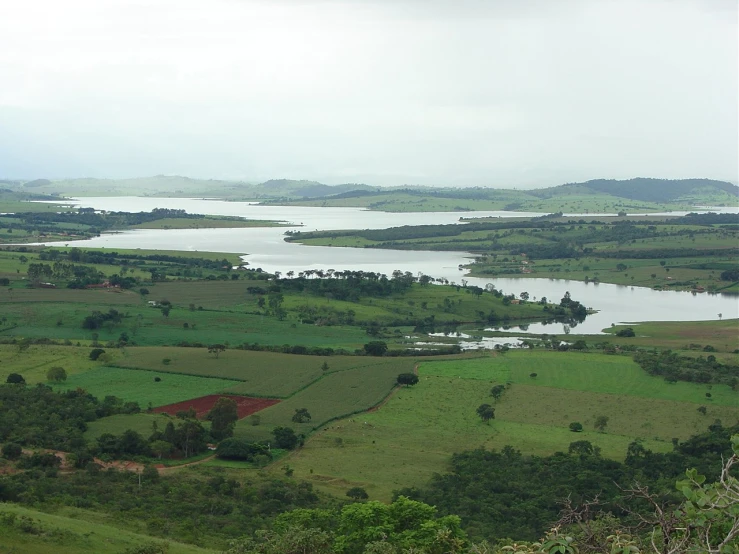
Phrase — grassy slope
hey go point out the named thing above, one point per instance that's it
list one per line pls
(75, 532)
(412, 435)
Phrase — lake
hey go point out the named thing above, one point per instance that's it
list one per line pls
(265, 247)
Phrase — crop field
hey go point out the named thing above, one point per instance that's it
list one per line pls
(76, 531)
(335, 395)
(260, 373)
(593, 372)
(245, 405)
(415, 432)
(140, 386)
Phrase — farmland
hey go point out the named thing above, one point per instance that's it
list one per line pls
(203, 405)
(410, 438)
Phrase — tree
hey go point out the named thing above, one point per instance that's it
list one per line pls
(12, 450)
(407, 379)
(15, 379)
(161, 448)
(702, 410)
(56, 374)
(575, 427)
(600, 423)
(95, 353)
(357, 493)
(301, 415)
(375, 348)
(497, 391)
(285, 438)
(486, 412)
(216, 349)
(223, 416)
(533, 375)
(324, 366)
(165, 310)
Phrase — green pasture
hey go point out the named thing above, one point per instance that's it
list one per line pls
(258, 373)
(414, 433)
(36, 360)
(50, 317)
(592, 372)
(76, 531)
(139, 386)
(333, 396)
(679, 335)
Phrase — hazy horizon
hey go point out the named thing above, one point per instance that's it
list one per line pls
(382, 92)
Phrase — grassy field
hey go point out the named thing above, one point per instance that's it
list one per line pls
(415, 432)
(591, 372)
(335, 395)
(34, 362)
(139, 386)
(75, 532)
(43, 313)
(259, 373)
(679, 335)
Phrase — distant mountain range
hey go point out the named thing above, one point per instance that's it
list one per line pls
(276, 190)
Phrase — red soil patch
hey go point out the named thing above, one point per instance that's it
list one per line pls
(244, 404)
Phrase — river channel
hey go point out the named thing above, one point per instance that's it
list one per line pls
(265, 247)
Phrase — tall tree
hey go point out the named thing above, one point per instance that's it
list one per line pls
(223, 416)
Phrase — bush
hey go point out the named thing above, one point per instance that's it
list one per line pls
(95, 353)
(575, 427)
(628, 332)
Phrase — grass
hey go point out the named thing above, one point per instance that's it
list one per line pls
(333, 396)
(38, 359)
(139, 386)
(259, 373)
(75, 532)
(44, 313)
(414, 433)
(591, 372)
(722, 335)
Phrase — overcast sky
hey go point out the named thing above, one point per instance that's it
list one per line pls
(439, 92)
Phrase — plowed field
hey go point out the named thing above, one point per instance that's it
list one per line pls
(202, 405)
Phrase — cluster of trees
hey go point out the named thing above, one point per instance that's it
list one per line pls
(346, 285)
(38, 416)
(503, 493)
(98, 319)
(674, 367)
(207, 512)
